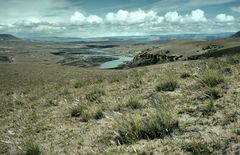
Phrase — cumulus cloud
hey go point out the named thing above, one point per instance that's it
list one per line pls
(236, 9)
(134, 17)
(125, 22)
(172, 17)
(79, 18)
(195, 16)
(225, 18)
(198, 15)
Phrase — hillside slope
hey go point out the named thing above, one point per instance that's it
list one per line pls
(8, 37)
(174, 108)
(236, 35)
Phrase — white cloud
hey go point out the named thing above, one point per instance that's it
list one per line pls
(172, 17)
(79, 18)
(195, 16)
(123, 22)
(225, 18)
(236, 9)
(135, 17)
(93, 19)
(198, 15)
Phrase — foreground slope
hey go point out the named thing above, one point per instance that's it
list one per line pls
(174, 108)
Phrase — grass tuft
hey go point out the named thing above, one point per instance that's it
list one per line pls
(77, 111)
(209, 108)
(133, 103)
(168, 84)
(95, 94)
(212, 78)
(235, 59)
(130, 129)
(31, 147)
(76, 83)
(185, 75)
(99, 114)
(196, 147)
(213, 93)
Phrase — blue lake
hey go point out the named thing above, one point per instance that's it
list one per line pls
(116, 63)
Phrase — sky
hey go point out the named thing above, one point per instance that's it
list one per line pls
(98, 18)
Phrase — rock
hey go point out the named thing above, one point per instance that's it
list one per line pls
(167, 52)
(212, 47)
(6, 59)
(145, 58)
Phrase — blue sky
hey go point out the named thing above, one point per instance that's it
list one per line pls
(96, 18)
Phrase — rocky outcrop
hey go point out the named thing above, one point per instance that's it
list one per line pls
(145, 58)
(6, 59)
(212, 47)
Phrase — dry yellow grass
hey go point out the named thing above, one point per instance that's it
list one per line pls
(35, 101)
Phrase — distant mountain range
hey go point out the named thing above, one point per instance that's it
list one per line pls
(8, 37)
(129, 38)
(139, 38)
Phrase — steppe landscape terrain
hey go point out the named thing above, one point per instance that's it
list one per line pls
(174, 97)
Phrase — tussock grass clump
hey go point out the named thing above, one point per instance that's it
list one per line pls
(86, 116)
(132, 128)
(215, 64)
(209, 108)
(85, 113)
(76, 83)
(19, 99)
(213, 93)
(185, 75)
(235, 59)
(212, 78)
(99, 114)
(78, 110)
(31, 148)
(95, 94)
(196, 147)
(133, 103)
(168, 84)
